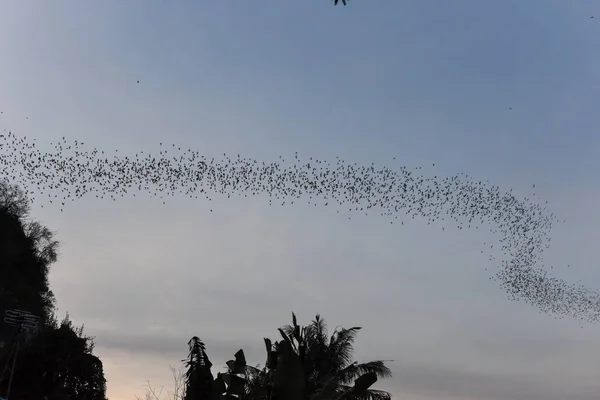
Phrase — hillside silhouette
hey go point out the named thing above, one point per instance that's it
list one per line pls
(56, 360)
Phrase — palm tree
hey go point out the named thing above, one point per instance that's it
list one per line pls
(327, 362)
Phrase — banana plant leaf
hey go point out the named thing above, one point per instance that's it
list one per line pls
(219, 384)
(236, 385)
(364, 382)
(237, 366)
(361, 385)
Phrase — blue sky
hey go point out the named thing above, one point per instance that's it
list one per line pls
(504, 91)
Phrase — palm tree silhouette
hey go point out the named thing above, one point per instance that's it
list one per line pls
(327, 361)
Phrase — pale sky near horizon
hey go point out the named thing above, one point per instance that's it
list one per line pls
(503, 91)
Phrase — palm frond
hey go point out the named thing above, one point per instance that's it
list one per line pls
(288, 330)
(370, 394)
(294, 331)
(341, 346)
(288, 339)
(258, 384)
(253, 371)
(373, 394)
(316, 335)
(319, 326)
(354, 370)
(345, 335)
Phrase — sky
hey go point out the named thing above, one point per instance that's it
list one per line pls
(503, 91)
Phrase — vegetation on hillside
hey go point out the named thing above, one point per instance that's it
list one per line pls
(56, 361)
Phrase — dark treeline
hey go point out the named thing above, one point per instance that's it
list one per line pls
(305, 364)
(56, 360)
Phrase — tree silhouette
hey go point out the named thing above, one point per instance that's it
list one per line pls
(327, 362)
(305, 365)
(199, 380)
(56, 361)
(27, 249)
(13, 200)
